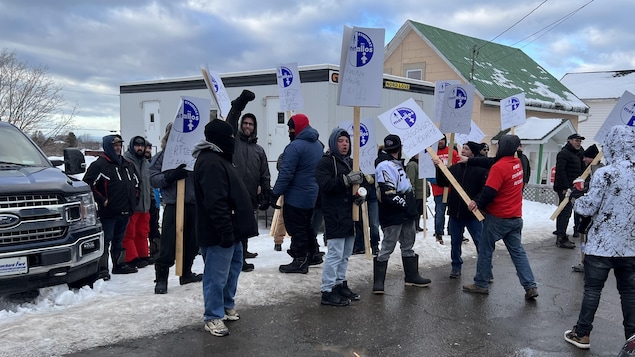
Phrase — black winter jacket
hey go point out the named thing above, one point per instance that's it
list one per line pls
(471, 178)
(115, 183)
(335, 197)
(223, 206)
(569, 166)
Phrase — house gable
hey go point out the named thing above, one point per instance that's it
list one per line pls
(497, 71)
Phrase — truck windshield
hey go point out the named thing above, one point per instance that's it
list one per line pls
(16, 148)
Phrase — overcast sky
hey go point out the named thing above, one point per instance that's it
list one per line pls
(91, 47)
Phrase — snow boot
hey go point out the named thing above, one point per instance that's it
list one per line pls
(298, 265)
(102, 271)
(411, 272)
(121, 267)
(343, 290)
(562, 241)
(379, 275)
(161, 281)
(334, 299)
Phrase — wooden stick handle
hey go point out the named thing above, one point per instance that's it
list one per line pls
(180, 214)
(455, 184)
(584, 175)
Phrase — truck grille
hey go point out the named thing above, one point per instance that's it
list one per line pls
(33, 235)
(34, 211)
(29, 201)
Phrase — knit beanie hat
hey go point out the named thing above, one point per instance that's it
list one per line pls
(474, 147)
(221, 134)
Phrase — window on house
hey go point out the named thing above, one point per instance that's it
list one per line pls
(151, 117)
(281, 118)
(414, 74)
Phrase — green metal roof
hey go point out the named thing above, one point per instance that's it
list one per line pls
(500, 71)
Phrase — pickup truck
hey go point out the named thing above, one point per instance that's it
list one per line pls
(49, 230)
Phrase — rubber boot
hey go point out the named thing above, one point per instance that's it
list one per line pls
(379, 275)
(102, 271)
(161, 279)
(121, 267)
(411, 272)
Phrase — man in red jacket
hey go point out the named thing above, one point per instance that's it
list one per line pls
(502, 201)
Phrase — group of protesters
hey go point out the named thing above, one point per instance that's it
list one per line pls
(231, 181)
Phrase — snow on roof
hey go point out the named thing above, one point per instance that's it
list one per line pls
(600, 85)
(536, 128)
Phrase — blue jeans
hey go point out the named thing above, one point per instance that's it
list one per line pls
(456, 227)
(507, 229)
(220, 278)
(439, 214)
(402, 233)
(114, 230)
(336, 262)
(596, 271)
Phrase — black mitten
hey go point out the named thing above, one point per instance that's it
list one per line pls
(176, 174)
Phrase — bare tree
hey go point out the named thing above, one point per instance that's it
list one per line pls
(29, 98)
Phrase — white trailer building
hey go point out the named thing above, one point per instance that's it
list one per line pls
(147, 107)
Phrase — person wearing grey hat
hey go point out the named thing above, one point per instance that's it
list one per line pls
(569, 166)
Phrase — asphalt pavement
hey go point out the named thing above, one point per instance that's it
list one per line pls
(440, 320)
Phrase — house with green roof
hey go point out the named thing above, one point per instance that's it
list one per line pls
(497, 71)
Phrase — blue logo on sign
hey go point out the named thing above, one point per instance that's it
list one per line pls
(364, 134)
(215, 84)
(8, 220)
(190, 116)
(512, 104)
(628, 114)
(403, 118)
(457, 98)
(286, 75)
(361, 50)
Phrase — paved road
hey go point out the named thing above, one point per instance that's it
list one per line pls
(437, 321)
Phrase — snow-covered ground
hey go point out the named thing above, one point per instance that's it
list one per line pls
(61, 321)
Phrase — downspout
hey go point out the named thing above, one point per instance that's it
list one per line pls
(538, 178)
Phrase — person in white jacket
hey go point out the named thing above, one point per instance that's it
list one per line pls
(610, 202)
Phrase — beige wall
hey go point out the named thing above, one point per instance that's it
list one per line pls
(413, 49)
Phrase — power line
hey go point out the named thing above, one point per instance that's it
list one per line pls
(512, 26)
(548, 29)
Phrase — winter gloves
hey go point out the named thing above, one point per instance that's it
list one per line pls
(353, 178)
(175, 174)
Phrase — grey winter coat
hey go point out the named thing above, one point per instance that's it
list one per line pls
(611, 198)
(141, 167)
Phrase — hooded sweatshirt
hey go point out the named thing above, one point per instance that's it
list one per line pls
(141, 166)
(611, 198)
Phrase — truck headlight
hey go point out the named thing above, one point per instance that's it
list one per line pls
(88, 210)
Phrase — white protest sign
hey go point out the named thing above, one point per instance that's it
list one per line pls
(475, 135)
(217, 89)
(426, 166)
(412, 125)
(623, 113)
(188, 129)
(361, 73)
(289, 87)
(439, 93)
(456, 109)
(367, 143)
(513, 111)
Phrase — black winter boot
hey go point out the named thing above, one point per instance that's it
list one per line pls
(298, 265)
(411, 272)
(190, 277)
(161, 282)
(562, 241)
(344, 291)
(121, 267)
(102, 271)
(334, 299)
(379, 275)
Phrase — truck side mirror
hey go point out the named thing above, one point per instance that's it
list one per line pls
(74, 162)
